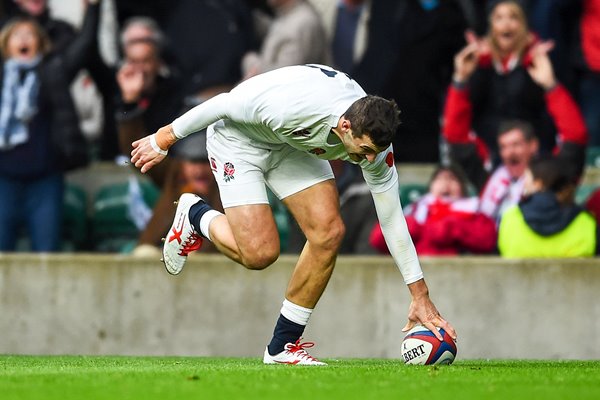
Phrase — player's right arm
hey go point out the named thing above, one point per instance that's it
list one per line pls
(152, 149)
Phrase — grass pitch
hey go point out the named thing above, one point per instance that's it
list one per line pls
(76, 377)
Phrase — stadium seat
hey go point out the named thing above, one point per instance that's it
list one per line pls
(75, 219)
(583, 192)
(593, 156)
(411, 192)
(115, 219)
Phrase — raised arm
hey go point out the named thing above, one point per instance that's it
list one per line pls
(458, 115)
(78, 53)
(563, 109)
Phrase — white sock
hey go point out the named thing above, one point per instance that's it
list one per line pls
(205, 222)
(295, 313)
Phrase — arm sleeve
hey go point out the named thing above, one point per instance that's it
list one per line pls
(572, 132)
(80, 51)
(382, 178)
(567, 116)
(395, 231)
(457, 116)
(225, 105)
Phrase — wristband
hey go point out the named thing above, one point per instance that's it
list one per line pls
(155, 146)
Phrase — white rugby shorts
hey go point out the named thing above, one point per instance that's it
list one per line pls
(244, 167)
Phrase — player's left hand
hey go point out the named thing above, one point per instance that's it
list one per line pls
(423, 311)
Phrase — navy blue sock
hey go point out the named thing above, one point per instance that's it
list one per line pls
(196, 213)
(285, 332)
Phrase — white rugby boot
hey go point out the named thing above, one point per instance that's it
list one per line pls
(293, 354)
(182, 238)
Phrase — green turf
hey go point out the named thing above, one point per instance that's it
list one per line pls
(72, 377)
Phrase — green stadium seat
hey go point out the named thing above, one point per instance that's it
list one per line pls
(583, 193)
(593, 156)
(113, 228)
(75, 218)
(411, 192)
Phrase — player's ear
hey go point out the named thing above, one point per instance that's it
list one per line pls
(346, 124)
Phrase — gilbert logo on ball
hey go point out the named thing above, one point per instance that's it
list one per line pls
(421, 347)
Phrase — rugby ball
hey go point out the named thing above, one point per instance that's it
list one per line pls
(421, 347)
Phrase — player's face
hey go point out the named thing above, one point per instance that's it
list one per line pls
(360, 148)
(516, 151)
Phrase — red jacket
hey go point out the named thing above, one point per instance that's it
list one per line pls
(562, 108)
(444, 227)
(590, 33)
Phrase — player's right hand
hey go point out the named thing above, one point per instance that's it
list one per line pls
(143, 155)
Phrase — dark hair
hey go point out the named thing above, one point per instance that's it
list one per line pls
(458, 173)
(554, 173)
(523, 126)
(377, 117)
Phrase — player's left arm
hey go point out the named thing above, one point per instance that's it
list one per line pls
(382, 178)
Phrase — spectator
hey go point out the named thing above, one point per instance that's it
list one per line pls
(149, 93)
(408, 58)
(61, 33)
(294, 37)
(493, 72)
(445, 221)
(39, 130)
(547, 223)
(210, 38)
(516, 139)
(149, 96)
(345, 23)
(589, 68)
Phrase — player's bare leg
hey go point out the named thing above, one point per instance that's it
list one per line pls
(316, 210)
(247, 234)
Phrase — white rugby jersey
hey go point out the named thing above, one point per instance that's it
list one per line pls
(299, 106)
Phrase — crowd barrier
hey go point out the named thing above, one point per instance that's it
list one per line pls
(116, 304)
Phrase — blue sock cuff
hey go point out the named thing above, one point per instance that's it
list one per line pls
(286, 331)
(196, 213)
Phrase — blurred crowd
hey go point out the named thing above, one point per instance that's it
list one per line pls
(503, 96)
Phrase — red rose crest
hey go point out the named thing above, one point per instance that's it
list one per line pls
(228, 171)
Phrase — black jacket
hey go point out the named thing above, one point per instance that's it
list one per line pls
(55, 141)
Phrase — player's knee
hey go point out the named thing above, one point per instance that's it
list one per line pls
(329, 236)
(261, 258)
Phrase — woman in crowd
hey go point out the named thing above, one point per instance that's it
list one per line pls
(39, 129)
